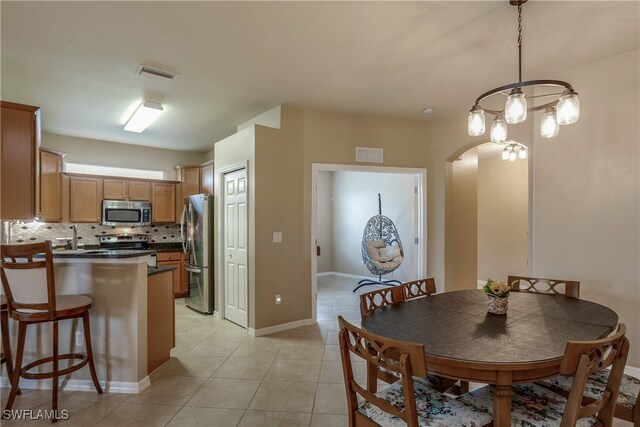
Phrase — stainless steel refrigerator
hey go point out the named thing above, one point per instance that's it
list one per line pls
(196, 231)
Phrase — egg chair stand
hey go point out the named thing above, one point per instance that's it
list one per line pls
(382, 251)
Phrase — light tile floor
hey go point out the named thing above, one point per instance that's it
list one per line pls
(218, 376)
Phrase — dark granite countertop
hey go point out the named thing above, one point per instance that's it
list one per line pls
(159, 269)
(102, 253)
(166, 246)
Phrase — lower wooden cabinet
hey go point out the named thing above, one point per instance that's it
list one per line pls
(161, 330)
(180, 277)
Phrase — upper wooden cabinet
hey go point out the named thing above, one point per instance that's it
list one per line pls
(51, 185)
(85, 199)
(20, 157)
(120, 189)
(163, 202)
(206, 178)
(189, 177)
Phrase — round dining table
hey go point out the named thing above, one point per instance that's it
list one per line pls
(464, 342)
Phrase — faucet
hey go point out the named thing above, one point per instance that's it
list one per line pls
(74, 241)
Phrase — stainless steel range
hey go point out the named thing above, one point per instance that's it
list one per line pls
(130, 242)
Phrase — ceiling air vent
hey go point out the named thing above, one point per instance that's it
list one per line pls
(145, 69)
(369, 155)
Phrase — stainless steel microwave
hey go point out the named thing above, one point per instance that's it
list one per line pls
(125, 214)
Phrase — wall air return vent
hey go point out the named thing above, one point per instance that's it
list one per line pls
(369, 155)
(145, 69)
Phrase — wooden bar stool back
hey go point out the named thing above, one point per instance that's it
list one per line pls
(29, 288)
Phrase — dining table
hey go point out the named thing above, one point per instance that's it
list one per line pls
(464, 342)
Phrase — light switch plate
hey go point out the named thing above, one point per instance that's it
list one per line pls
(277, 237)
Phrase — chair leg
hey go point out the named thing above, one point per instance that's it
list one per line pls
(22, 332)
(87, 339)
(6, 343)
(54, 379)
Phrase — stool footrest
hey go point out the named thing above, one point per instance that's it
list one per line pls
(24, 372)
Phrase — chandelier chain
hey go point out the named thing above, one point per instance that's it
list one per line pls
(520, 42)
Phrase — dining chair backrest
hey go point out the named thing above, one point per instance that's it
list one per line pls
(568, 288)
(379, 298)
(582, 358)
(28, 282)
(407, 359)
(419, 288)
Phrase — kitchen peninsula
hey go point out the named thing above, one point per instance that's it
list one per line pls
(128, 297)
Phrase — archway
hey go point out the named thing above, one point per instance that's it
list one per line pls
(486, 216)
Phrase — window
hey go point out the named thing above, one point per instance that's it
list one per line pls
(114, 171)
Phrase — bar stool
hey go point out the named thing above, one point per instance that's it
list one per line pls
(29, 287)
(5, 356)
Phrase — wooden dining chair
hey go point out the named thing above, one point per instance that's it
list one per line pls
(380, 298)
(29, 287)
(568, 288)
(536, 405)
(406, 402)
(628, 401)
(419, 288)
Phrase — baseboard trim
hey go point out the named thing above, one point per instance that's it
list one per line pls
(349, 276)
(83, 385)
(279, 328)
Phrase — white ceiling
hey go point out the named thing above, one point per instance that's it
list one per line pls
(77, 60)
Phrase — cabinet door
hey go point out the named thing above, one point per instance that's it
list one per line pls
(190, 181)
(139, 190)
(50, 187)
(177, 277)
(85, 197)
(114, 189)
(163, 202)
(20, 135)
(206, 178)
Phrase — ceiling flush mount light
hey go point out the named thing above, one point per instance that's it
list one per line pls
(563, 108)
(144, 115)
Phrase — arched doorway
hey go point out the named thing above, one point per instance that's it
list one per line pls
(486, 217)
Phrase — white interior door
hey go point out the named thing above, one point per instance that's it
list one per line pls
(235, 247)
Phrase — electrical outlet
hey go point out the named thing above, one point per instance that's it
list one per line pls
(277, 237)
(79, 338)
(278, 299)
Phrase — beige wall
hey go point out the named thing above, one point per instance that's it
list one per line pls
(503, 214)
(587, 193)
(107, 153)
(278, 206)
(463, 240)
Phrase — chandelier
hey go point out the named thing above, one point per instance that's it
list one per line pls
(560, 108)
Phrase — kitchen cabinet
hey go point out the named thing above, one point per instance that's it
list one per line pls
(160, 319)
(51, 165)
(163, 202)
(180, 276)
(120, 189)
(189, 177)
(206, 178)
(19, 175)
(85, 199)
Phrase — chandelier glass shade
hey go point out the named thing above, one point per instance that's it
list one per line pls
(561, 104)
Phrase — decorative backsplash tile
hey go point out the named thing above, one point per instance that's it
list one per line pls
(88, 233)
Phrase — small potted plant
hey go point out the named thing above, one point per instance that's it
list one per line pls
(498, 293)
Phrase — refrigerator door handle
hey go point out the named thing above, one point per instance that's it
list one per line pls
(182, 239)
(193, 269)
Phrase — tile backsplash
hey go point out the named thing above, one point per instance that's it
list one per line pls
(88, 233)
